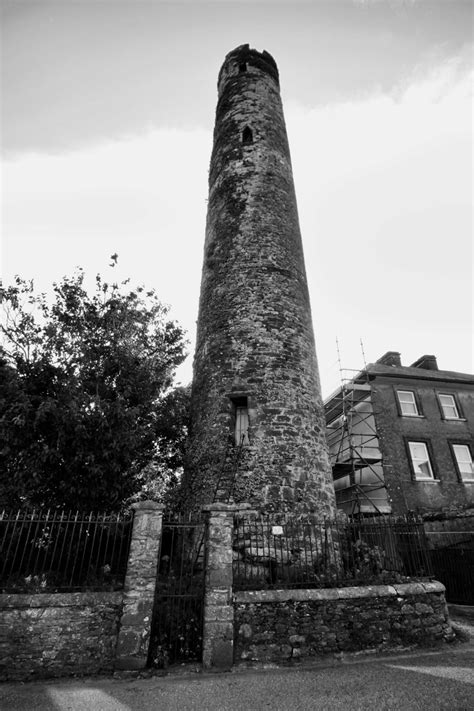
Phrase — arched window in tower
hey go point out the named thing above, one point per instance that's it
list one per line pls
(242, 67)
(247, 136)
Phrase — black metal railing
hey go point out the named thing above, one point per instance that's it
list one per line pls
(285, 552)
(454, 567)
(58, 551)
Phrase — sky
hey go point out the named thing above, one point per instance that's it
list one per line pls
(107, 113)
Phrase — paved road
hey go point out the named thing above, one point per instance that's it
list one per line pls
(430, 681)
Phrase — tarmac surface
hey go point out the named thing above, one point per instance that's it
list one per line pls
(422, 680)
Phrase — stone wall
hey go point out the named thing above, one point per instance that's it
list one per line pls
(285, 625)
(60, 634)
(57, 634)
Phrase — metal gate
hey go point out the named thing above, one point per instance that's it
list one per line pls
(176, 632)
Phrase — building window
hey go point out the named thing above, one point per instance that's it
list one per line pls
(448, 407)
(407, 401)
(420, 460)
(463, 458)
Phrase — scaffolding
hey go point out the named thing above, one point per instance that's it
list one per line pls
(354, 448)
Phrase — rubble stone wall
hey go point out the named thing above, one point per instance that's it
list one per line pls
(58, 634)
(289, 625)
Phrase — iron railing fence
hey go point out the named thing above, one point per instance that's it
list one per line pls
(451, 539)
(454, 567)
(58, 551)
(284, 552)
(177, 634)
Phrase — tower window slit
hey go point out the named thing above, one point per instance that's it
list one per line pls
(247, 136)
(242, 67)
(241, 421)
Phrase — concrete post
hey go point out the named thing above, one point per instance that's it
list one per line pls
(218, 634)
(139, 588)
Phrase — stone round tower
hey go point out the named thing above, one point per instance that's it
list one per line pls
(257, 424)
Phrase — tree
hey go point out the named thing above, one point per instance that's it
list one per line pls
(86, 393)
(160, 478)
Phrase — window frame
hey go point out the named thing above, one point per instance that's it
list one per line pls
(239, 403)
(456, 407)
(241, 433)
(427, 443)
(461, 443)
(416, 400)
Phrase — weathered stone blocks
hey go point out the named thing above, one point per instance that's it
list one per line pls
(45, 635)
(218, 649)
(59, 634)
(255, 343)
(139, 588)
(319, 622)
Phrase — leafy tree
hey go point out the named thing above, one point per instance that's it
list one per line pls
(160, 478)
(86, 405)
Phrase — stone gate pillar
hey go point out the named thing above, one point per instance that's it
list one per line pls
(139, 588)
(218, 634)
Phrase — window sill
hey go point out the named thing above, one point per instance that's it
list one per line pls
(428, 479)
(454, 419)
(467, 481)
(420, 417)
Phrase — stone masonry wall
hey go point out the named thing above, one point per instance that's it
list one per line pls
(255, 335)
(286, 625)
(57, 634)
(60, 634)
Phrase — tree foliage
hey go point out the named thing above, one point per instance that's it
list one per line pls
(86, 405)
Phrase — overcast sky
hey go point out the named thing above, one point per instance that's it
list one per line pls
(107, 118)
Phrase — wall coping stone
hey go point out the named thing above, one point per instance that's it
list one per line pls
(219, 507)
(411, 589)
(148, 506)
(74, 599)
(326, 594)
(433, 586)
(248, 513)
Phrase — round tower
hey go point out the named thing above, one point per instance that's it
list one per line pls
(257, 424)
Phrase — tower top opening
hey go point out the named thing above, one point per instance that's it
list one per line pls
(245, 56)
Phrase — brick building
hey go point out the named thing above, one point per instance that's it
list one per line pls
(401, 438)
(257, 429)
